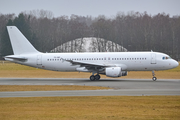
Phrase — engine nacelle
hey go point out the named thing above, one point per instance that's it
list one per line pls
(113, 72)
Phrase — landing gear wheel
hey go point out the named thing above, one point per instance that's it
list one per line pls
(92, 77)
(97, 77)
(154, 78)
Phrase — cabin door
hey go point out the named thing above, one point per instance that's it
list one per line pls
(153, 58)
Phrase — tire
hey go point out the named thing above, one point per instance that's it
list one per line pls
(154, 78)
(97, 77)
(92, 77)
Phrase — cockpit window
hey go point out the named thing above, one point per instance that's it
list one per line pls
(165, 58)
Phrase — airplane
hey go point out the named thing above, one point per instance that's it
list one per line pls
(111, 64)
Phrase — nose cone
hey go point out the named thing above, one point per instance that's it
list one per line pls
(175, 64)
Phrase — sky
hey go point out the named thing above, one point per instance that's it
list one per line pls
(93, 8)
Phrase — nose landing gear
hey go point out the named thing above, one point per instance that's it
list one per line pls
(154, 78)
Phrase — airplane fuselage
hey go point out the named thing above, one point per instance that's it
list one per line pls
(128, 61)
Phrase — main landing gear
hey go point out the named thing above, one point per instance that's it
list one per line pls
(95, 77)
(154, 78)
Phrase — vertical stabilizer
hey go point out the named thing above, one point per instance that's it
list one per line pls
(19, 42)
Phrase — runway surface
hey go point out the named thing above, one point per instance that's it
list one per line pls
(120, 87)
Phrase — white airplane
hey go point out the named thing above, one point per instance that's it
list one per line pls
(111, 64)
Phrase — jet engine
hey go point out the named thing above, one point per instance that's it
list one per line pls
(113, 71)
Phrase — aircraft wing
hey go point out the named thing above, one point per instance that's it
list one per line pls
(96, 66)
(90, 66)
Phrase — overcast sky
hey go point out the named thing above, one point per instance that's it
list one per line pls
(94, 8)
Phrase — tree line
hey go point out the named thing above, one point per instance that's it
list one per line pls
(134, 31)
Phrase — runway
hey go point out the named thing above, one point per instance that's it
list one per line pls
(120, 87)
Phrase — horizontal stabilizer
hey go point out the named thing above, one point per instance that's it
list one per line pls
(14, 57)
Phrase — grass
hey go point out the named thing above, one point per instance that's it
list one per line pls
(83, 108)
(91, 108)
(47, 87)
(8, 70)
